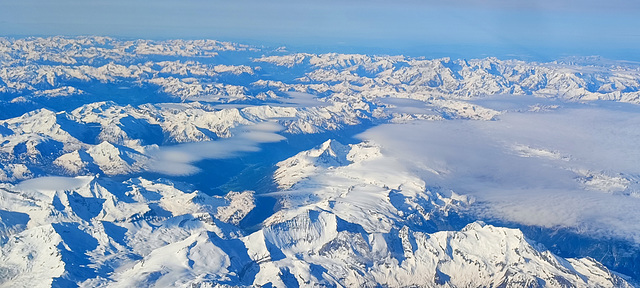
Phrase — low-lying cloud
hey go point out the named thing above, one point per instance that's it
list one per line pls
(178, 160)
(53, 183)
(301, 100)
(545, 184)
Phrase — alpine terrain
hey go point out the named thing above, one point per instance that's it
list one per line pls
(200, 163)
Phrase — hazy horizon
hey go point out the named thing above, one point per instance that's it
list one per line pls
(544, 30)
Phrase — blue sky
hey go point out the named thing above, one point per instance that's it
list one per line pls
(459, 28)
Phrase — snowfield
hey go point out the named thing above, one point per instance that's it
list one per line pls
(200, 163)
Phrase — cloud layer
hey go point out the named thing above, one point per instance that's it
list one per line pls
(547, 169)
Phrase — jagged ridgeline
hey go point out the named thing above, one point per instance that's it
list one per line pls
(200, 163)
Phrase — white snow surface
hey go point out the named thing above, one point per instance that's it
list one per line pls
(99, 138)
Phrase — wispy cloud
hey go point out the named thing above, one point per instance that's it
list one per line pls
(53, 183)
(179, 159)
(300, 99)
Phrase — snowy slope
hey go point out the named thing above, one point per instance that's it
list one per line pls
(117, 159)
(80, 230)
(99, 233)
(360, 211)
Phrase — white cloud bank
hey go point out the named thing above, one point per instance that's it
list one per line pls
(53, 183)
(549, 169)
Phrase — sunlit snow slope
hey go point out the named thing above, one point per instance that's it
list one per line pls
(200, 163)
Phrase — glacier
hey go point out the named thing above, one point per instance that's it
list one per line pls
(201, 163)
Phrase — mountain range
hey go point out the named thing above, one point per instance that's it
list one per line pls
(201, 163)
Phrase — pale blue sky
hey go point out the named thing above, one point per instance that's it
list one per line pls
(459, 28)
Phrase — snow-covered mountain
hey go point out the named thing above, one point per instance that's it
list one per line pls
(199, 163)
(96, 232)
